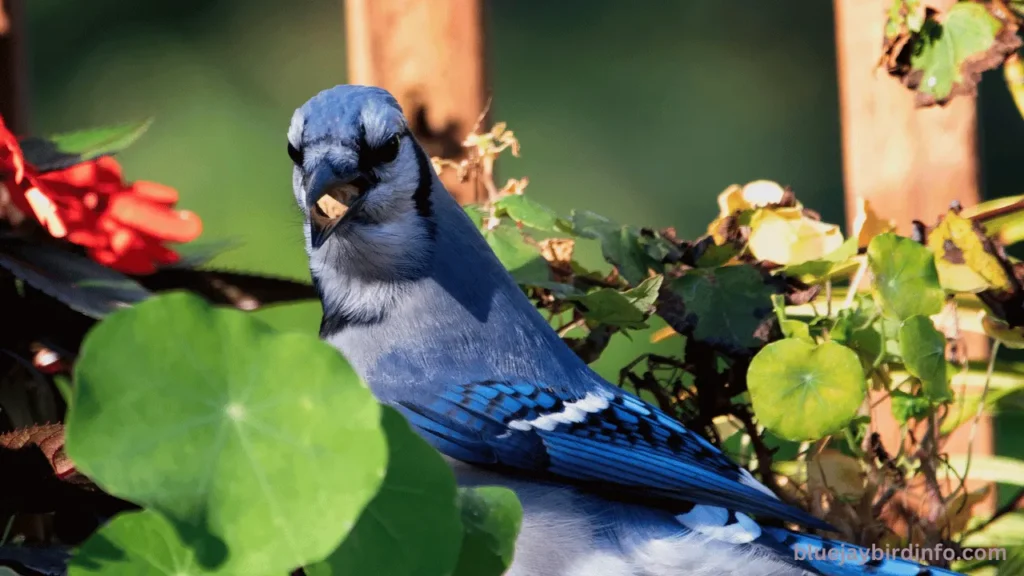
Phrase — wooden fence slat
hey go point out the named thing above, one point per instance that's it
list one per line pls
(909, 163)
(430, 55)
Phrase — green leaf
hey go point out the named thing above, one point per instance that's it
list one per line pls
(522, 259)
(476, 213)
(726, 305)
(904, 15)
(413, 526)
(142, 543)
(626, 309)
(527, 212)
(621, 245)
(491, 517)
(906, 406)
(860, 330)
(946, 55)
(804, 392)
(923, 349)
(817, 271)
(84, 145)
(790, 328)
(906, 282)
(241, 436)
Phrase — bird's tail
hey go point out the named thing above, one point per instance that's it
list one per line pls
(835, 558)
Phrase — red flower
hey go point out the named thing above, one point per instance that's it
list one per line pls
(122, 225)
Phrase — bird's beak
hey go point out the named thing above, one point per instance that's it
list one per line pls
(337, 199)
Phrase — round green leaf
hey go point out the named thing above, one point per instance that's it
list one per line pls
(139, 543)
(906, 282)
(262, 448)
(413, 526)
(491, 516)
(923, 349)
(803, 392)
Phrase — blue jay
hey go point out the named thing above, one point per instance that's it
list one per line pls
(417, 302)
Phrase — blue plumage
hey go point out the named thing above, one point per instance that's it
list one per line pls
(423, 310)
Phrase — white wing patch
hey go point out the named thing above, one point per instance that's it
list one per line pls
(712, 521)
(572, 412)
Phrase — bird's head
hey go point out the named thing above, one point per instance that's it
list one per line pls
(362, 181)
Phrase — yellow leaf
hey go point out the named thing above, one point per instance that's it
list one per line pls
(756, 194)
(835, 472)
(785, 236)
(1000, 330)
(867, 224)
(963, 258)
(663, 334)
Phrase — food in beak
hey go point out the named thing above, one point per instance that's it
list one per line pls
(336, 201)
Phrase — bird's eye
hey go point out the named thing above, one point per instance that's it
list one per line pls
(295, 154)
(389, 150)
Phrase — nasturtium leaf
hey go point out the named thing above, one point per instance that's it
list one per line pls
(627, 309)
(821, 269)
(948, 56)
(522, 259)
(413, 526)
(138, 543)
(786, 236)
(491, 516)
(726, 305)
(906, 282)
(963, 257)
(620, 245)
(64, 150)
(527, 212)
(801, 391)
(923, 349)
(861, 330)
(903, 16)
(239, 435)
(909, 406)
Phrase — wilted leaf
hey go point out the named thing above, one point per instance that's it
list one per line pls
(835, 472)
(524, 210)
(867, 224)
(965, 258)
(139, 543)
(801, 391)
(491, 517)
(786, 236)
(522, 259)
(904, 16)
(413, 525)
(1009, 336)
(756, 194)
(64, 150)
(725, 305)
(947, 57)
(246, 467)
(906, 282)
(923, 349)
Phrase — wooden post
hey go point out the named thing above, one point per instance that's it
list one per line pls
(13, 73)
(909, 163)
(430, 55)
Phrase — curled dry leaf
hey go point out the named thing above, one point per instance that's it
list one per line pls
(867, 223)
(788, 236)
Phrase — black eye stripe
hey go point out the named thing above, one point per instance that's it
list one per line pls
(295, 154)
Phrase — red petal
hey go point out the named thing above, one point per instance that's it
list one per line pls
(156, 192)
(155, 220)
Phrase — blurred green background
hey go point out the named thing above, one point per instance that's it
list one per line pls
(642, 111)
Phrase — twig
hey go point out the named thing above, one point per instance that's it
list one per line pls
(1010, 506)
(981, 405)
(858, 277)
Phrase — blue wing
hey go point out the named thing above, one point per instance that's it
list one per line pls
(605, 437)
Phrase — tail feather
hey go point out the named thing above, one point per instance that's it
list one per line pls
(835, 558)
